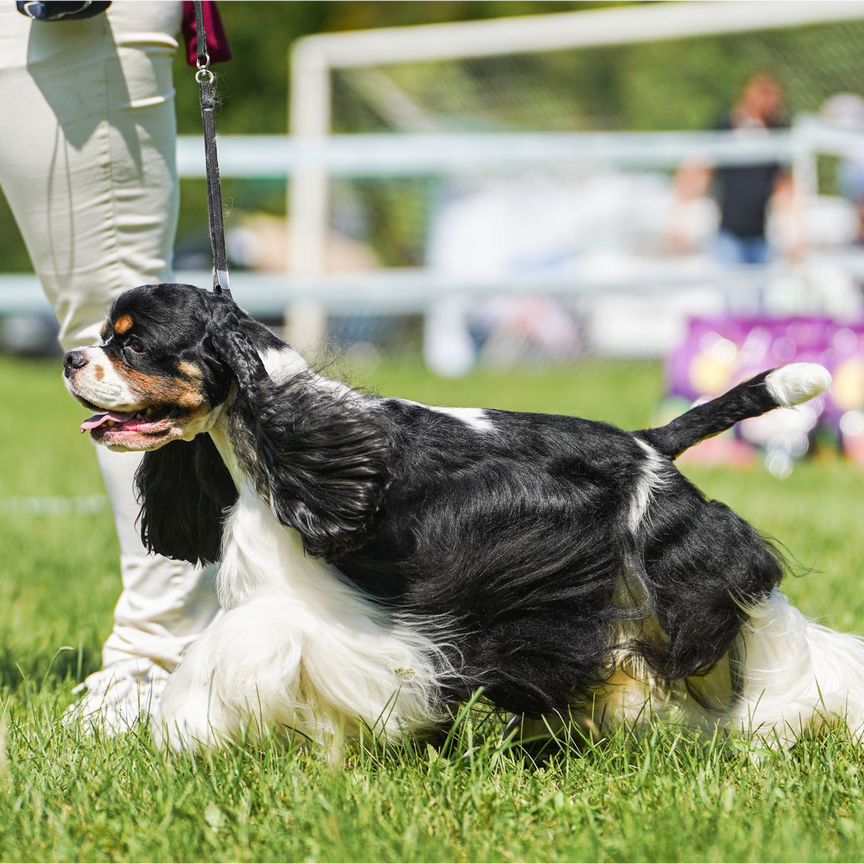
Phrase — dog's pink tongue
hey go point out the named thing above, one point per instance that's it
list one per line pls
(97, 420)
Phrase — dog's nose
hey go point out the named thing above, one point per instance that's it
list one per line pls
(73, 360)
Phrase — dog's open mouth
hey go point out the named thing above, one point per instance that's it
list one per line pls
(111, 425)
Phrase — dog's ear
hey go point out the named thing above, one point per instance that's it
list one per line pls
(323, 462)
(184, 489)
(231, 344)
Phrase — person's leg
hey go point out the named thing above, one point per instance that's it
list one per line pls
(87, 164)
(757, 251)
(728, 249)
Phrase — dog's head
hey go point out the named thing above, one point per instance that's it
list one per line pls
(164, 367)
(169, 357)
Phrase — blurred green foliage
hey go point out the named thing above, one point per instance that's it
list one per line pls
(686, 84)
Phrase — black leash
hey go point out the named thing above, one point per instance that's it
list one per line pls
(205, 80)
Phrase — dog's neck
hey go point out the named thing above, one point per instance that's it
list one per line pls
(220, 432)
(282, 364)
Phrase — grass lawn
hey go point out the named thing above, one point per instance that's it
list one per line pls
(659, 796)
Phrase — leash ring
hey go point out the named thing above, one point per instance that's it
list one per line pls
(204, 76)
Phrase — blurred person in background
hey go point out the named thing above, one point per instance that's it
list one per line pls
(87, 164)
(743, 192)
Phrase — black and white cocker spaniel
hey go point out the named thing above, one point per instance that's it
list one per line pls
(382, 559)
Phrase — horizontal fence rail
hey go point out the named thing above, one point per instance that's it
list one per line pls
(411, 155)
(401, 291)
(407, 291)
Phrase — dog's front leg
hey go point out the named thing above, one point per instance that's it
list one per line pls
(240, 678)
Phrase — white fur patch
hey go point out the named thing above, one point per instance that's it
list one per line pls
(650, 478)
(99, 383)
(798, 382)
(283, 363)
(297, 649)
(797, 674)
(476, 418)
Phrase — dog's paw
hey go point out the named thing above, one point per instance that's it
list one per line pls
(186, 725)
(797, 383)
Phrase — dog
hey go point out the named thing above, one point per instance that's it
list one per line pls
(382, 560)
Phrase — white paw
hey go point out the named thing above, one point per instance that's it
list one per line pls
(797, 383)
(186, 724)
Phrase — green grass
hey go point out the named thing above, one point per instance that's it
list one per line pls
(661, 795)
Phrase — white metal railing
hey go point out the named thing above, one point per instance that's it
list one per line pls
(416, 155)
(401, 291)
(384, 156)
(313, 59)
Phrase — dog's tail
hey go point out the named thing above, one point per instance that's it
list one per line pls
(783, 387)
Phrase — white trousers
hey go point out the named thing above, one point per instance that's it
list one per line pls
(87, 164)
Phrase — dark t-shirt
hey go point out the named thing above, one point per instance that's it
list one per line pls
(743, 193)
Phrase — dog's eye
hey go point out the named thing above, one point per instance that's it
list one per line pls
(134, 344)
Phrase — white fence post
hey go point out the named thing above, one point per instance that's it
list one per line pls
(306, 320)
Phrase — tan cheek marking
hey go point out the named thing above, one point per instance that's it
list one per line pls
(153, 390)
(123, 325)
(190, 370)
(105, 332)
(100, 373)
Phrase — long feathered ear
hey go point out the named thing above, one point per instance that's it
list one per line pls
(321, 459)
(184, 489)
(325, 461)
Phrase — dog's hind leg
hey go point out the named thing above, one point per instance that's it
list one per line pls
(797, 676)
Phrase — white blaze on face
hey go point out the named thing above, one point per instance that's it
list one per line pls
(98, 382)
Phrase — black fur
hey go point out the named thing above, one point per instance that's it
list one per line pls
(184, 489)
(322, 463)
(521, 533)
(517, 538)
(749, 399)
(170, 339)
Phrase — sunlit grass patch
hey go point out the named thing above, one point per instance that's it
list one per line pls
(661, 794)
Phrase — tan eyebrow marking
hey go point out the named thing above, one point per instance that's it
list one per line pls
(123, 325)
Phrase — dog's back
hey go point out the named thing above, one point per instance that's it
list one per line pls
(535, 536)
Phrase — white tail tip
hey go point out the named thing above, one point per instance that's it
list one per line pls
(797, 383)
